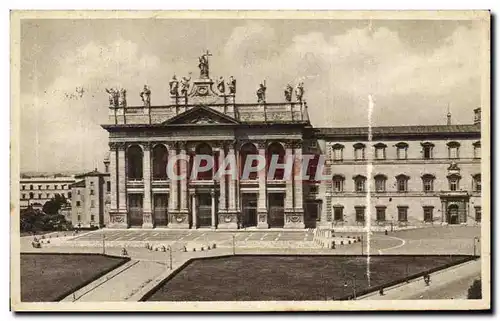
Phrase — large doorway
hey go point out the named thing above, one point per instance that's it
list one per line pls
(204, 211)
(453, 214)
(135, 210)
(312, 213)
(160, 203)
(276, 210)
(249, 206)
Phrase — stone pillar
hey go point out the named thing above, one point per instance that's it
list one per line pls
(212, 194)
(116, 219)
(147, 217)
(443, 212)
(262, 198)
(193, 210)
(184, 181)
(122, 220)
(289, 180)
(295, 217)
(175, 218)
(229, 219)
(222, 182)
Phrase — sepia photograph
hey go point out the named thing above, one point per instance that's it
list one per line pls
(250, 160)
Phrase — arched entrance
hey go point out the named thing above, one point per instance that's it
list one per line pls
(452, 215)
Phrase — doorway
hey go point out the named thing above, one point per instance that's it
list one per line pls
(312, 213)
(135, 210)
(453, 214)
(276, 210)
(204, 211)
(249, 206)
(160, 203)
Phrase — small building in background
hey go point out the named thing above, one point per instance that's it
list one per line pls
(90, 201)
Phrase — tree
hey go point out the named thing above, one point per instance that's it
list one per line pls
(30, 220)
(475, 290)
(53, 206)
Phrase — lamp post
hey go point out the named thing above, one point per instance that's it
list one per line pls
(103, 244)
(169, 248)
(234, 250)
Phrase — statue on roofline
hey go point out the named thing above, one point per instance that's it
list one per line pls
(146, 96)
(261, 93)
(203, 65)
(299, 91)
(232, 85)
(221, 86)
(114, 97)
(185, 85)
(288, 93)
(174, 86)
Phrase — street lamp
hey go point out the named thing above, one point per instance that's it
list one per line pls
(234, 250)
(103, 244)
(169, 248)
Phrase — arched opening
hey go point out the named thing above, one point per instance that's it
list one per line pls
(134, 161)
(452, 215)
(276, 150)
(245, 151)
(204, 149)
(160, 158)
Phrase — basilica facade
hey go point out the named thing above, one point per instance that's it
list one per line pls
(419, 174)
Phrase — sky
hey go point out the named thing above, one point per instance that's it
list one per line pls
(414, 70)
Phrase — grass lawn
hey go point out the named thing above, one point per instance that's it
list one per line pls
(251, 278)
(51, 277)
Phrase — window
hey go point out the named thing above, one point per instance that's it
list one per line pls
(338, 213)
(477, 149)
(108, 186)
(32, 195)
(359, 151)
(476, 183)
(403, 213)
(77, 203)
(313, 189)
(63, 186)
(92, 217)
(48, 195)
(79, 218)
(427, 150)
(69, 194)
(428, 182)
(39, 187)
(91, 192)
(78, 192)
(359, 183)
(23, 187)
(380, 213)
(402, 183)
(56, 186)
(360, 213)
(314, 144)
(24, 196)
(380, 151)
(338, 183)
(454, 182)
(402, 150)
(338, 151)
(31, 187)
(428, 215)
(47, 186)
(380, 180)
(92, 203)
(453, 150)
(478, 213)
(39, 195)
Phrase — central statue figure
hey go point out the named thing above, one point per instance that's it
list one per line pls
(203, 65)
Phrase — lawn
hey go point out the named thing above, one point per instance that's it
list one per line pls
(51, 277)
(250, 278)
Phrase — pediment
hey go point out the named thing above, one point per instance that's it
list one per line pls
(201, 116)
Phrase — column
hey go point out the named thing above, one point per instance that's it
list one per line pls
(122, 188)
(295, 217)
(443, 211)
(262, 197)
(229, 218)
(193, 210)
(147, 218)
(184, 181)
(113, 177)
(222, 182)
(173, 207)
(232, 181)
(212, 194)
(289, 180)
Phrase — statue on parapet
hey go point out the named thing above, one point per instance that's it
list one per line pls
(114, 96)
(185, 85)
(203, 65)
(146, 96)
(231, 84)
(261, 93)
(299, 91)
(288, 93)
(123, 98)
(221, 87)
(174, 86)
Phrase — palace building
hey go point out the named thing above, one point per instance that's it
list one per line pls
(419, 175)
